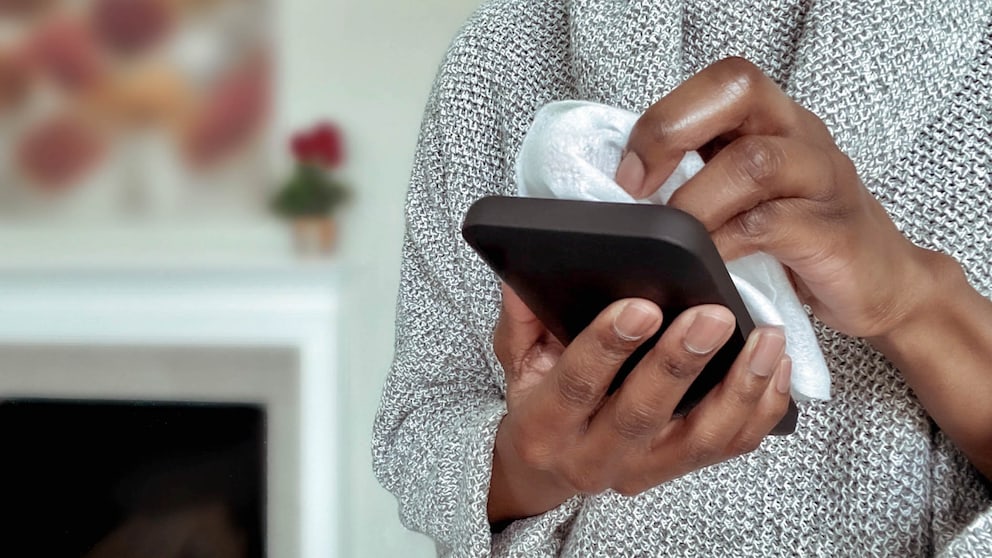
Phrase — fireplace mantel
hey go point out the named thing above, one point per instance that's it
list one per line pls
(281, 304)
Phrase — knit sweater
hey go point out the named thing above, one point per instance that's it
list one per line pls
(905, 87)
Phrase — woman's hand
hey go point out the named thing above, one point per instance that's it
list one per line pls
(776, 182)
(563, 435)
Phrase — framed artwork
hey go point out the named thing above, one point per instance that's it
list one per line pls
(135, 110)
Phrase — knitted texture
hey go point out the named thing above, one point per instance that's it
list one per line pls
(905, 88)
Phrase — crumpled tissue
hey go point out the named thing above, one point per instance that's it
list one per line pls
(572, 151)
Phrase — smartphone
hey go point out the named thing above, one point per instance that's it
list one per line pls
(568, 260)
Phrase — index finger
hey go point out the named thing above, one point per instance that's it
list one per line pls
(575, 388)
(729, 98)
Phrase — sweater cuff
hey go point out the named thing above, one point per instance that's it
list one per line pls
(471, 515)
(974, 540)
(541, 535)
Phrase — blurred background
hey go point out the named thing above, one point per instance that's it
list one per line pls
(201, 214)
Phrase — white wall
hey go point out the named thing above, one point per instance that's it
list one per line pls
(369, 65)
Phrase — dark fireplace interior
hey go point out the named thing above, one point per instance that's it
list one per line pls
(111, 479)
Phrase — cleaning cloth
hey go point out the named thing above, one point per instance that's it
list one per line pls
(572, 151)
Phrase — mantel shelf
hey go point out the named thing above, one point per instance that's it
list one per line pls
(260, 244)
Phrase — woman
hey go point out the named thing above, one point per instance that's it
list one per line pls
(852, 142)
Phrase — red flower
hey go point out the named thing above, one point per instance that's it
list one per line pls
(321, 145)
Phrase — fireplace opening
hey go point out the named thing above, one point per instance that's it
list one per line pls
(118, 479)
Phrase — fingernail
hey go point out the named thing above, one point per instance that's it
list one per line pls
(768, 346)
(705, 333)
(783, 382)
(633, 321)
(630, 174)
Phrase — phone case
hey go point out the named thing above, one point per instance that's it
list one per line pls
(568, 260)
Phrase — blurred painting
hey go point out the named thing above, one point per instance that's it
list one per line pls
(115, 109)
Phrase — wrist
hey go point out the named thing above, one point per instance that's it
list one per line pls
(942, 349)
(933, 284)
(517, 490)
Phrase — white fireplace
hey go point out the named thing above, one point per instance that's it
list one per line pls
(262, 332)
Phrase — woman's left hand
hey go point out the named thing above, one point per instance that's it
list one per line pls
(776, 182)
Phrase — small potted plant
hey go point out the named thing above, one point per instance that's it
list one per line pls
(312, 194)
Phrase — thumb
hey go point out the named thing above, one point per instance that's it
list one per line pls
(517, 332)
(514, 307)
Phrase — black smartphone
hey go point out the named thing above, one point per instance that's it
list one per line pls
(568, 260)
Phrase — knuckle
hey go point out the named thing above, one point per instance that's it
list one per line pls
(837, 176)
(745, 444)
(831, 175)
(533, 451)
(794, 117)
(738, 76)
(679, 366)
(746, 395)
(634, 423)
(758, 158)
(612, 348)
(774, 413)
(755, 223)
(583, 480)
(662, 128)
(816, 127)
(577, 390)
(700, 450)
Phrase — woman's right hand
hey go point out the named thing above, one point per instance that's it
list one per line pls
(563, 435)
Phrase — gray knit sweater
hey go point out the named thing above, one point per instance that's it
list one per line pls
(906, 88)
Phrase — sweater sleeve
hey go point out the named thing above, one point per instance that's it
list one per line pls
(444, 396)
(962, 505)
(975, 541)
(434, 433)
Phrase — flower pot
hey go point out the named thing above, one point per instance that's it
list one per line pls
(315, 236)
